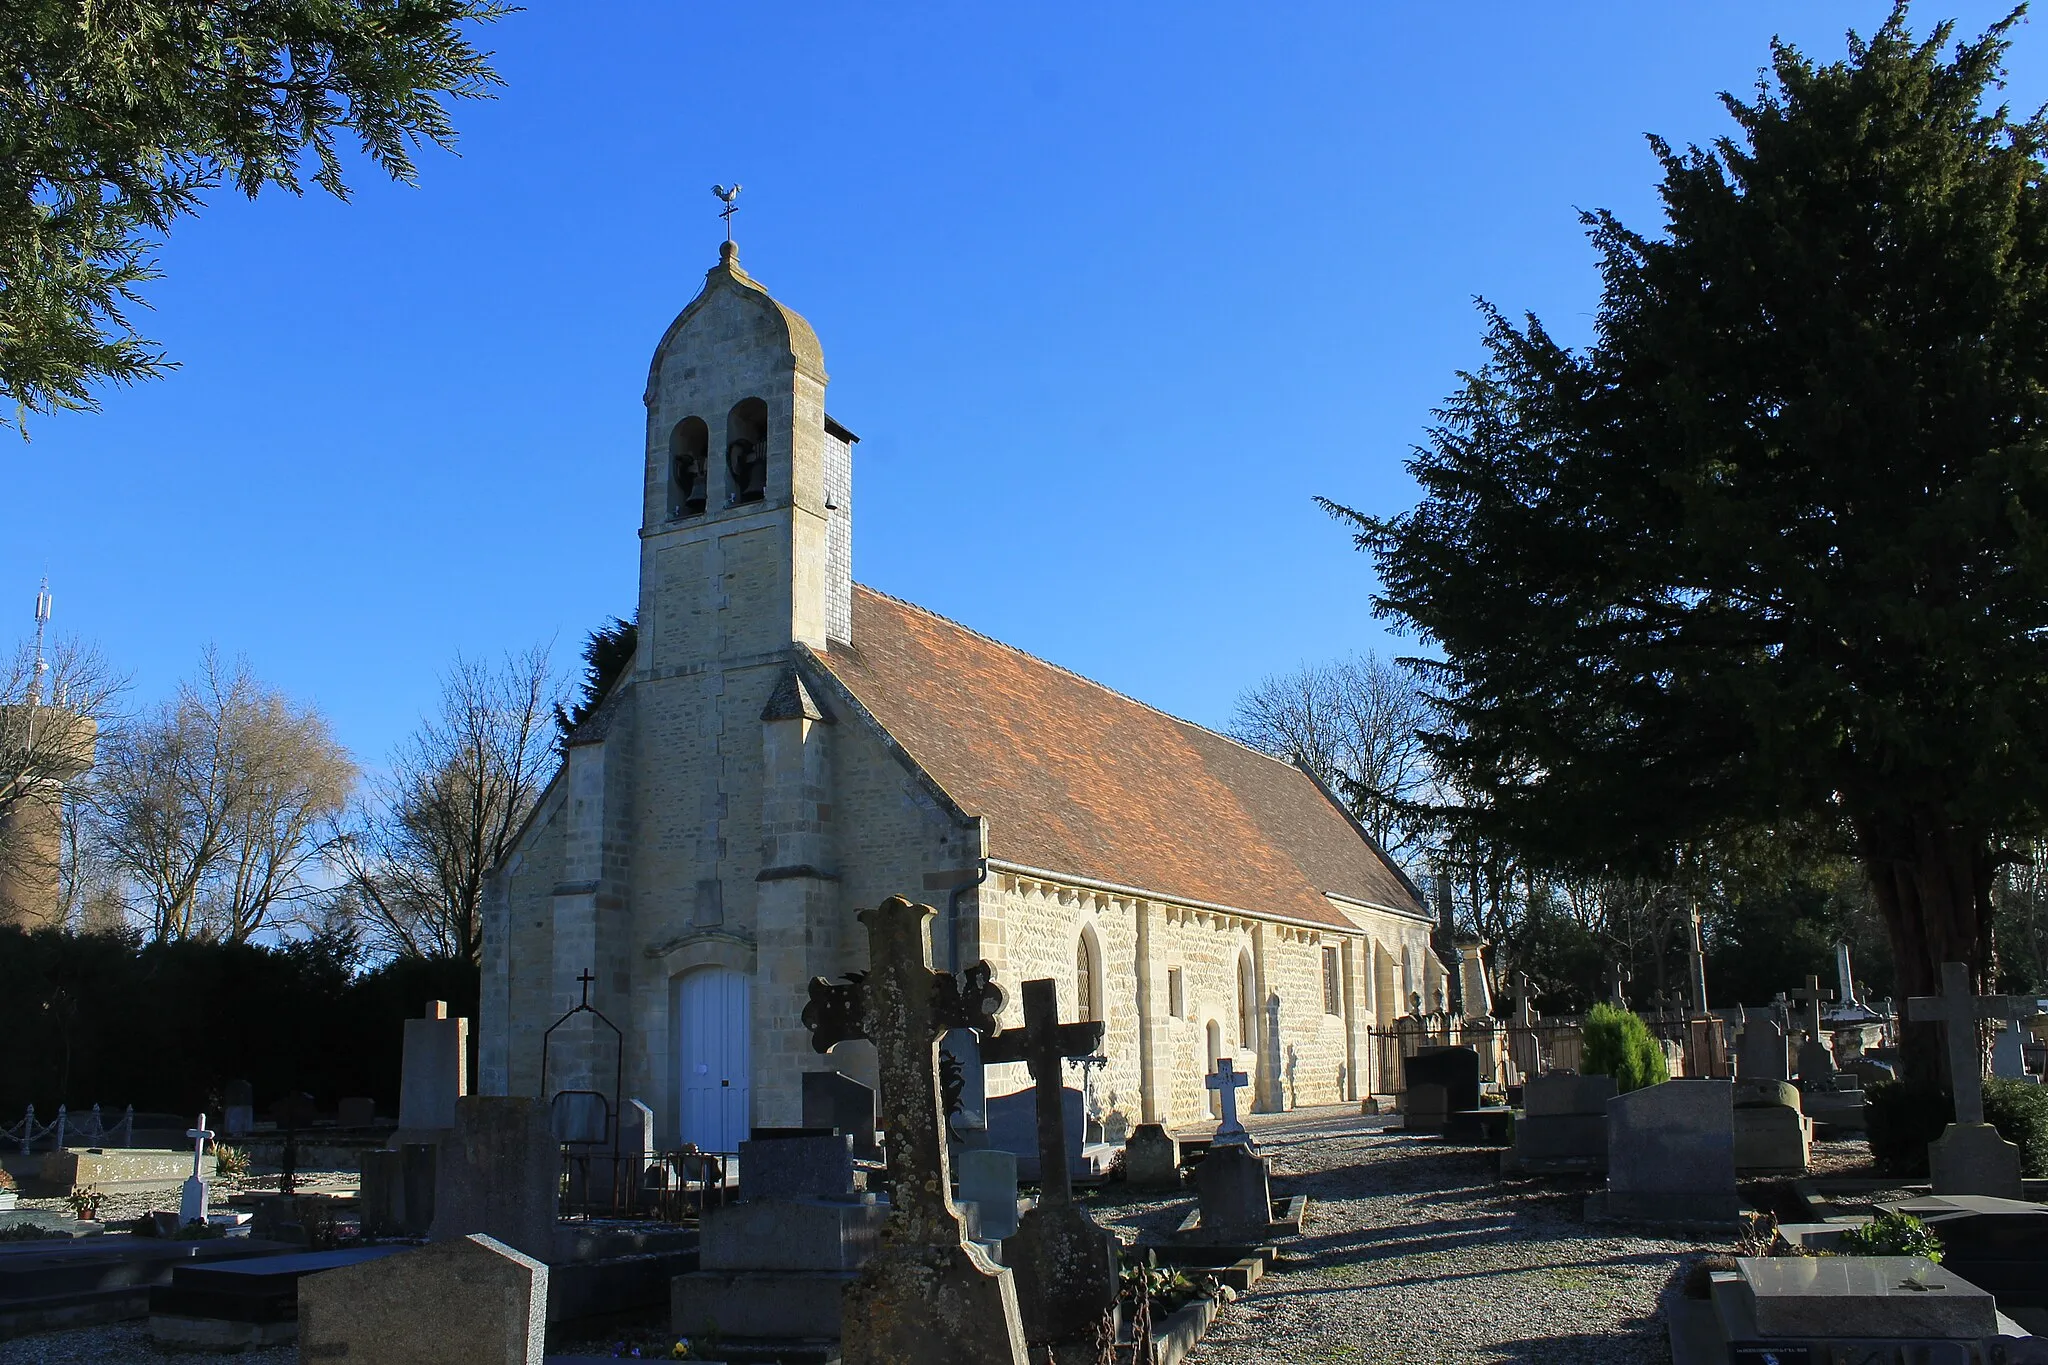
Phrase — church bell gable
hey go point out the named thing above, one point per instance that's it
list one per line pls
(743, 465)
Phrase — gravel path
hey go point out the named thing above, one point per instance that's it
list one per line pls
(1413, 1255)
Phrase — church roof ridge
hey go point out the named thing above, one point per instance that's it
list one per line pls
(1044, 662)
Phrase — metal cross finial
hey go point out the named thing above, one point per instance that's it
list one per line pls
(730, 196)
(586, 979)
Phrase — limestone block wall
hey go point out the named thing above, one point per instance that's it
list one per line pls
(518, 954)
(1031, 928)
(1204, 946)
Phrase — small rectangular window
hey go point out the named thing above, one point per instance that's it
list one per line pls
(1176, 993)
(1333, 982)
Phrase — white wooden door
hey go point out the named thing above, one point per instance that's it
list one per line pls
(712, 1024)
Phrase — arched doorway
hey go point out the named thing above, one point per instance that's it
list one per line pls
(711, 1011)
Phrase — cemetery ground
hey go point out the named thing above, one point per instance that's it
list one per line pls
(1413, 1252)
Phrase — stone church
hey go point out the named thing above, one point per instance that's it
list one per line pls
(789, 747)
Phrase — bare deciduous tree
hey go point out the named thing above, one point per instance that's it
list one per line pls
(415, 860)
(211, 806)
(1355, 724)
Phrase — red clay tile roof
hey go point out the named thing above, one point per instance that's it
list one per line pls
(1078, 779)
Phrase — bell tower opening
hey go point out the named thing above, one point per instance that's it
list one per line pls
(689, 478)
(746, 450)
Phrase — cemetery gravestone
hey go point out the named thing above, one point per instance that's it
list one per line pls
(797, 1167)
(1773, 1136)
(192, 1200)
(928, 1297)
(1563, 1126)
(988, 1181)
(832, 1100)
(1064, 1263)
(434, 1075)
(2009, 1054)
(1233, 1188)
(1670, 1155)
(1969, 1157)
(499, 1173)
(1013, 1127)
(239, 1118)
(776, 1264)
(1425, 1108)
(471, 1298)
(1455, 1070)
(1816, 1059)
(356, 1112)
(1152, 1159)
(1761, 1052)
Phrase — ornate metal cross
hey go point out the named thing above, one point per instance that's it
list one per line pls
(1044, 1044)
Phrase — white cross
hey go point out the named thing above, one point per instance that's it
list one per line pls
(199, 1136)
(1957, 1010)
(1226, 1083)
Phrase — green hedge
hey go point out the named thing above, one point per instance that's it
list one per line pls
(1903, 1117)
(1619, 1044)
(101, 1018)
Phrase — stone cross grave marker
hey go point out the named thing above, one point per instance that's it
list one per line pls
(1065, 1264)
(192, 1201)
(1969, 1157)
(1226, 1082)
(1525, 1012)
(1618, 978)
(928, 1295)
(1043, 1045)
(1696, 962)
(1816, 1058)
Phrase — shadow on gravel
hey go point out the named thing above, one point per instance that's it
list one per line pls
(1590, 1348)
(1282, 1287)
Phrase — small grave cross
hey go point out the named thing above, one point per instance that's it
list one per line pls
(1525, 1015)
(192, 1197)
(1696, 961)
(586, 979)
(1226, 1083)
(1812, 998)
(1044, 1044)
(1957, 1010)
(199, 1137)
(1618, 978)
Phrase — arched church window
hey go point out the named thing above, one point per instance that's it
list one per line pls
(1247, 1002)
(1087, 978)
(689, 472)
(746, 450)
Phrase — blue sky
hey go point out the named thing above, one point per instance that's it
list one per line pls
(1110, 293)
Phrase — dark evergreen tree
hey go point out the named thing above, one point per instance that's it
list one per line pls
(606, 655)
(1772, 549)
(116, 117)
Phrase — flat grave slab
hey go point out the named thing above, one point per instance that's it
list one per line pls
(45, 1286)
(1881, 1296)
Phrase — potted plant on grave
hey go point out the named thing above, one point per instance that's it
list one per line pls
(8, 1192)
